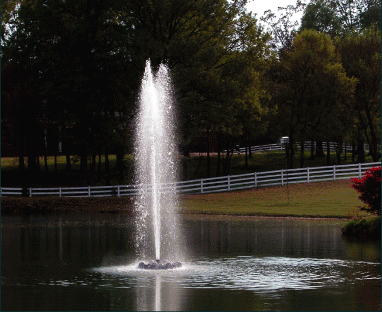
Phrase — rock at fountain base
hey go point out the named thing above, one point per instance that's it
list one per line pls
(159, 265)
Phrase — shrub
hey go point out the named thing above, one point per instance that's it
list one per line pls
(363, 227)
(369, 186)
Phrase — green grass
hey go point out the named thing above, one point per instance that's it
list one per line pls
(320, 199)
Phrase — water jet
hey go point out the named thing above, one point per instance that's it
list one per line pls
(156, 171)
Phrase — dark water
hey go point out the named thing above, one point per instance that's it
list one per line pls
(87, 263)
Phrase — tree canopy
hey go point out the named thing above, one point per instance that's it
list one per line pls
(71, 72)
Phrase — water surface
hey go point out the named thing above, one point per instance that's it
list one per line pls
(88, 263)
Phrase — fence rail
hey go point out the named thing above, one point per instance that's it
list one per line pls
(204, 186)
(307, 145)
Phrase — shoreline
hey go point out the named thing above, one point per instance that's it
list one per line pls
(121, 205)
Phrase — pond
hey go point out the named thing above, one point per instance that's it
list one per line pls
(233, 263)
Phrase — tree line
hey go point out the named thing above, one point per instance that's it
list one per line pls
(71, 71)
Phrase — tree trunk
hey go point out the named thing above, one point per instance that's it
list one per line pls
(302, 154)
(353, 152)
(319, 149)
(31, 152)
(311, 150)
(229, 155)
(55, 163)
(107, 168)
(45, 162)
(208, 153)
(68, 165)
(291, 152)
(328, 153)
(287, 155)
(120, 165)
(99, 170)
(45, 151)
(249, 145)
(93, 168)
(38, 164)
(83, 166)
(338, 152)
(21, 151)
(66, 148)
(361, 152)
(218, 160)
(197, 168)
(246, 152)
(373, 141)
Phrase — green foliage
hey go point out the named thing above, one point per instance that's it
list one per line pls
(340, 18)
(84, 61)
(311, 90)
(372, 16)
(361, 58)
(321, 16)
(363, 227)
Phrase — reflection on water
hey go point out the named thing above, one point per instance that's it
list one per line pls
(87, 263)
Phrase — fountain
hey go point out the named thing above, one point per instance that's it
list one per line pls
(156, 171)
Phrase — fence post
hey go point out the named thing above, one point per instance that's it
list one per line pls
(359, 171)
(256, 179)
(334, 172)
(118, 194)
(201, 186)
(60, 192)
(282, 177)
(89, 191)
(229, 183)
(308, 173)
(30, 192)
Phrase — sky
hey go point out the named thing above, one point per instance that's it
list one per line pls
(259, 6)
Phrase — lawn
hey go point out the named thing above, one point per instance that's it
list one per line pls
(319, 199)
(334, 199)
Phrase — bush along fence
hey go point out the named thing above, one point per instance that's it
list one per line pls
(204, 186)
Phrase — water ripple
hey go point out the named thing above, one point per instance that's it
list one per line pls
(269, 274)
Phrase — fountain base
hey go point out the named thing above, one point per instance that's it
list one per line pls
(159, 265)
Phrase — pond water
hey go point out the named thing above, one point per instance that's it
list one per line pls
(233, 263)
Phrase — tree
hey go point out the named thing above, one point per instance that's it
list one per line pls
(311, 89)
(361, 58)
(341, 17)
(371, 16)
(224, 84)
(321, 16)
(282, 27)
(69, 55)
(84, 60)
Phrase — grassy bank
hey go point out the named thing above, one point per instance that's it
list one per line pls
(320, 199)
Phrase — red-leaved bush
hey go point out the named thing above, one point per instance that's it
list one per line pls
(369, 186)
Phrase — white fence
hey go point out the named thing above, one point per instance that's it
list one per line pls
(210, 185)
(278, 147)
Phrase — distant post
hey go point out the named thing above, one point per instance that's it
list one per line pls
(285, 141)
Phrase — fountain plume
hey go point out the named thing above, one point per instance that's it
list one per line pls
(156, 168)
